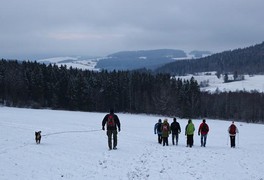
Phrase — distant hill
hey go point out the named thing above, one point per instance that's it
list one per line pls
(200, 54)
(248, 60)
(169, 53)
(149, 59)
(125, 60)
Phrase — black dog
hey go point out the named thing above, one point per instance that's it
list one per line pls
(38, 137)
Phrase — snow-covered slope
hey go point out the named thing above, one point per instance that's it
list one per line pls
(74, 62)
(251, 83)
(74, 147)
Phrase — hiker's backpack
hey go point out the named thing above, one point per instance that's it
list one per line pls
(173, 126)
(110, 121)
(232, 129)
(204, 128)
(165, 127)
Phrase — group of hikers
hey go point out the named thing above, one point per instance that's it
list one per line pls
(163, 130)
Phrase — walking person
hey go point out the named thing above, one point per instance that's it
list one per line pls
(165, 128)
(157, 130)
(203, 131)
(112, 123)
(233, 130)
(175, 131)
(189, 131)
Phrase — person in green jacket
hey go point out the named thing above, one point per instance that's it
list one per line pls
(189, 131)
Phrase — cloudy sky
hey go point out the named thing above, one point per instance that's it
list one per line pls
(32, 29)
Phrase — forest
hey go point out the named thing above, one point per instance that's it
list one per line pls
(248, 60)
(34, 85)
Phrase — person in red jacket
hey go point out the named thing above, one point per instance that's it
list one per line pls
(232, 130)
(112, 123)
(203, 131)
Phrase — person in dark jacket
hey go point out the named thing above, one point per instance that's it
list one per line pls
(175, 131)
(232, 130)
(157, 130)
(112, 123)
(203, 131)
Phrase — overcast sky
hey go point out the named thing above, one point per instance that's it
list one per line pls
(32, 29)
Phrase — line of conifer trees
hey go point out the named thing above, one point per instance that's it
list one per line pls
(34, 85)
(248, 60)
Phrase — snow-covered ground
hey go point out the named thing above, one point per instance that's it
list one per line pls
(74, 62)
(73, 146)
(251, 83)
(55, 60)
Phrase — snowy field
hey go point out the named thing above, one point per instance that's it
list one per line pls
(251, 83)
(74, 62)
(74, 147)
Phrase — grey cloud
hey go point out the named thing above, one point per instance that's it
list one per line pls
(31, 28)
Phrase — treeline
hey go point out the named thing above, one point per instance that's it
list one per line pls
(248, 60)
(28, 84)
(33, 85)
(244, 106)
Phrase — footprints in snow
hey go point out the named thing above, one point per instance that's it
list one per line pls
(141, 170)
(103, 164)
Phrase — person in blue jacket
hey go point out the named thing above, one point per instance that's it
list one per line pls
(157, 130)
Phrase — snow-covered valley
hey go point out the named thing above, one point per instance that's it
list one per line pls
(73, 146)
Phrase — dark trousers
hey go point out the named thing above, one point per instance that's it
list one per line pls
(159, 138)
(175, 136)
(110, 134)
(165, 141)
(203, 140)
(190, 140)
(233, 141)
